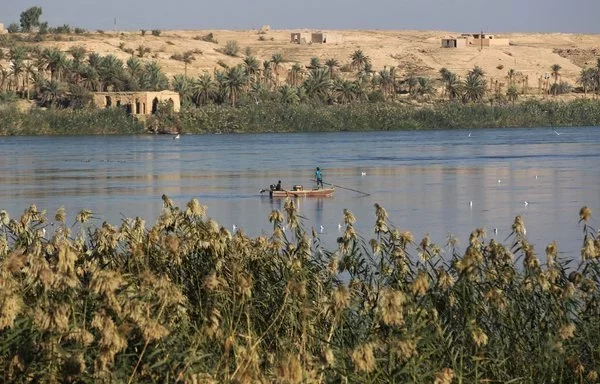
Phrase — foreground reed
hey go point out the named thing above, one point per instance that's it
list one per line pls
(187, 301)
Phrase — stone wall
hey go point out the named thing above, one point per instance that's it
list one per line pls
(136, 103)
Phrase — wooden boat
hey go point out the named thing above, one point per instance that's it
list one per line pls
(323, 192)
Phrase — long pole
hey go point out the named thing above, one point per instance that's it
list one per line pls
(349, 189)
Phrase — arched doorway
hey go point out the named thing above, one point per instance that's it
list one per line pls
(154, 105)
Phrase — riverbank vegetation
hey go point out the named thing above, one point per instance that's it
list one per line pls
(185, 300)
(273, 94)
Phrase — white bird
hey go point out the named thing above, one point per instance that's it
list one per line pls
(499, 181)
(557, 134)
(363, 173)
(176, 137)
(470, 203)
(469, 134)
(234, 227)
(525, 203)
(339, 227)
(321, 228)
(536, 176)
(495, 231)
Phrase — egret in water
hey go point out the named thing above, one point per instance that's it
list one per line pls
(499, 181)
(525, 203)
(339, 227)
(321, 228)
(557, 134)
(469, 134)
(495, 231)
(470, 204)
(363, 173)
(176, 137)
(234, 227)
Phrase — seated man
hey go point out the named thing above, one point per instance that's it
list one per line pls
(278, 186)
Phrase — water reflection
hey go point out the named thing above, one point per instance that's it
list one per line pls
(425, 180)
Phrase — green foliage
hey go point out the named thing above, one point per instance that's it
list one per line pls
(156, 32)
(560, 88)
(231, 48)
(143, 32)
(79, 31)
(13, 28)
(67, 122)
(30, 18)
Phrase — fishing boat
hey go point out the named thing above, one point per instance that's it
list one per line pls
(299, 191)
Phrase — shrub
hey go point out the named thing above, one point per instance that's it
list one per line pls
(143, 31)
(100, 31)
(156, 32)
(13, 28)
(170, 42)
(500, 67)
(209, 38)
(231, 48)
(80, 31)
(560, 88)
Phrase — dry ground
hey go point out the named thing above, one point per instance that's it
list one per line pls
(416, 52)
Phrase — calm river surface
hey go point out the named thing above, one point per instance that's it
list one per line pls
(425, 179)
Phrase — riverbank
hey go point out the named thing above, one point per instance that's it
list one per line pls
(278, 117)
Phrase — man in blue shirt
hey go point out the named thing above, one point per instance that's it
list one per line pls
(319, 177)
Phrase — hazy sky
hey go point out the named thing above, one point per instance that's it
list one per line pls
(452, 15)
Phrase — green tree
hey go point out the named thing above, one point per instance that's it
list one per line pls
(252, 67)
(276, 60)
(512, 93)
(317, 84)
(295, 74)
(331, 65)
(556, 73)
(188, 57)
(30, 18)
(204, 89)
(587, 79)
(345, 91)
(359, 59)
(235, 80)
(288, 95)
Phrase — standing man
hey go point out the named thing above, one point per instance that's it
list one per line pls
(319, 177)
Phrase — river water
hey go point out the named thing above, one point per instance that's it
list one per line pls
(436, 182)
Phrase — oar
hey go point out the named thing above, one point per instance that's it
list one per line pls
(349, 189)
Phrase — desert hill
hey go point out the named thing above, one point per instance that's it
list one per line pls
(411, 52)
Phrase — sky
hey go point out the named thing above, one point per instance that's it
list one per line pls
(574, 16)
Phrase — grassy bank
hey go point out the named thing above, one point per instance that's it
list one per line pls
(184, 300)
(278, 117)
(66, 122)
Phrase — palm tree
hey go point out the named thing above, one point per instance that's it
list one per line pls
(512, 93)
(345, 91)
(188, 57)
(454, 87)
(359, 59)
(277, 59)
(386, 81)
(288, 95)
(555, 73)
(295, 74)
(474, 87)
(55, 61)
(267, 74)
(203, 89)
(152, 78)
(332, 64)
(315, 63)
(425, 86)
(235, 80)
(252, 67)
(587, 79)
(78, 53)
(52, 93)
(511, 76)
(111, 73)
(90, 79)
(183, 85)
(317, 83)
